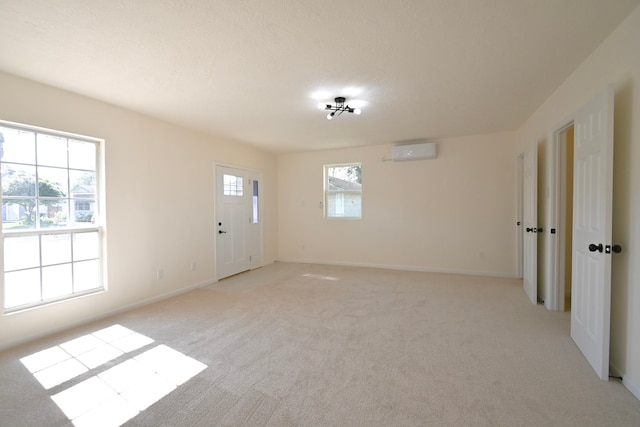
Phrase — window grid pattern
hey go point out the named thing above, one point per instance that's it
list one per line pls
(233, 185)
(52, 245)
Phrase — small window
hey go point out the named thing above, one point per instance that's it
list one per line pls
(49, 205)
(343, 190)
(256, 217)
(233, 185)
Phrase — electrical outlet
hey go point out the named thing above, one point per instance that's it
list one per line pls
(194, 265)
(160, 274)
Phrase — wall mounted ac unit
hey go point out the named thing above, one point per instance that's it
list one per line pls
(426, 150)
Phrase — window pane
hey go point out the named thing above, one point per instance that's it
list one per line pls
(345, 177)
(56, 281)
(86, 246)
(21, 252)
(21, 287)
(18, 196)
(18, 214)
(83, 190)
(17, 146)
(51, 150)
(53, 182)
(82, 155)
(53, 213)
(255, 202)
(18, 180)
(56, 248)
(83, 183)
(83, 212)
(86, 275)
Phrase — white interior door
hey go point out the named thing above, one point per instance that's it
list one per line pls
(592, 201)
(234, 209)
(530, 223)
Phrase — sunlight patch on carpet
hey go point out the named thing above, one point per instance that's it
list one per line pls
(117, 394)
(319, 276)
(56, 365)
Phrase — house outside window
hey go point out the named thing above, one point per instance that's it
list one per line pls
(343, 190)
(51, 239)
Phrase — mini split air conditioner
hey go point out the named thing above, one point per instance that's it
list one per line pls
(426, 150)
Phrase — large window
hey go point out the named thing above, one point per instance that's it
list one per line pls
(50, 209)
(343, 190)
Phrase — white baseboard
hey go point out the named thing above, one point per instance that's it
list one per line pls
(106, 314)
(633, 388)
(159, 297)
(402, 268)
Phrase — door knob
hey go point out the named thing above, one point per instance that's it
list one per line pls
(221, 232)
(594, 247)
(529, 229)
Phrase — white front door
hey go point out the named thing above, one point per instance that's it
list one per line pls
(234, 210)
(530, 223)
(592, 201)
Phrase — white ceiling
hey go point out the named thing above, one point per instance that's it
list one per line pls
(248, 70)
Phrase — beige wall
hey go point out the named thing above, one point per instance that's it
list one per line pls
(616, 61)
(160, 202)
(455, 213)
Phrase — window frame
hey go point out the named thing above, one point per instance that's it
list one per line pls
(327, 191)
(95, 225)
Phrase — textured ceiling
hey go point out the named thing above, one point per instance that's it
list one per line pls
(248, 70)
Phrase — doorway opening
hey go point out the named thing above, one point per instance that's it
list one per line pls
(520, 220)
(562, 210)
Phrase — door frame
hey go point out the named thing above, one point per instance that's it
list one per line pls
(256, 260)
(557, 209)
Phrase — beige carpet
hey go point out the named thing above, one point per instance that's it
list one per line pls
(309, 345)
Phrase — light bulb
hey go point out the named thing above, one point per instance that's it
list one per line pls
(357, 111)
(330, 116)
(322, 106)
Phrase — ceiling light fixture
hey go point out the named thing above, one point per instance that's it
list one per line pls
(340, 107)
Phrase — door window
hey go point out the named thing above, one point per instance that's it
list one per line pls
(233, 185)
